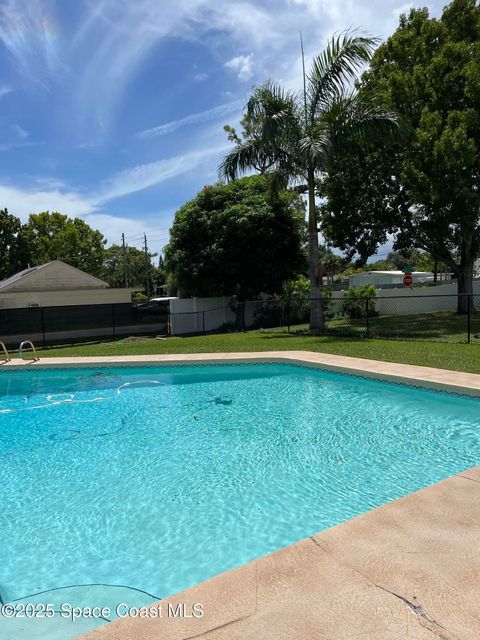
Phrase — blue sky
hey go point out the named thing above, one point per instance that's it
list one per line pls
(112, 110)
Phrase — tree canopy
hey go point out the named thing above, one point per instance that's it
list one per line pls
(425, 191)
(293, 136)
(238, 238)
(13, 251)
(113, 270)
(51, 236)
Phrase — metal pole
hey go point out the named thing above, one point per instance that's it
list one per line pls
(43, 327)
(368, 323)
(288, 315)
(147, 268)
(124, 252)
(113, 321)
(203, 321)
(243, 317)
(469, 318)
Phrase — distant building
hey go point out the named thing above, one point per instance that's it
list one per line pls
(382, 278)
(57, 284)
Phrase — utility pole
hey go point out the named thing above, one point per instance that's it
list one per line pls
(147, 267)
(124, 252)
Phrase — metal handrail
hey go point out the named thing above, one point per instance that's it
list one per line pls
(5, 351)
(20, 350)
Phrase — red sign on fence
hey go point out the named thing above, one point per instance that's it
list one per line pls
(407, 279)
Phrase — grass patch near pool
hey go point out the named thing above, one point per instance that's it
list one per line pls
(457, 357)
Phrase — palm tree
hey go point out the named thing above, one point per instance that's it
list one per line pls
(297, 134)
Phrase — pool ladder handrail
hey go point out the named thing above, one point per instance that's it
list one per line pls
(20, 350)
(5, 351)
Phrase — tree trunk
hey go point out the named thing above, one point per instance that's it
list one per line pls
(465, 278)
(316, 311)
(464, 287)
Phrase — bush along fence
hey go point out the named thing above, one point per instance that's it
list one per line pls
(351, 313)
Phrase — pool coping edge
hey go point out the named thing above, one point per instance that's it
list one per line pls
(412, 375)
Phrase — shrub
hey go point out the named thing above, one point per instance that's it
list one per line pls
(355, 306)
(295, 298)
(138, 296)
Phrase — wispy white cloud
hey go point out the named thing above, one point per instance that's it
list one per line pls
(29, 32)
(5, 90)
(21, 201)
(112, 228)
(194, 118)
(20, 132)
(147, 175)
(14, 137)
(113, 38)
(55, 195)
(8, 146)
(242, 65)
(51, 194)
(119, 35)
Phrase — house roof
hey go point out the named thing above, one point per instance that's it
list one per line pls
(26, 273)
(21, 274)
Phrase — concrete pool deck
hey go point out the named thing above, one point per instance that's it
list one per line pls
(408, 569)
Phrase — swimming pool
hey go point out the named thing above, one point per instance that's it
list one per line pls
(129, 484)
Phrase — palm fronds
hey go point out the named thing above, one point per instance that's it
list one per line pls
(335, 68)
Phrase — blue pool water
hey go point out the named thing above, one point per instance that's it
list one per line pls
(153, 479)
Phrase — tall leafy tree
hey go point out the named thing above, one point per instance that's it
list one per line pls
(295, 134)
(13, 252)
(52, 236)
(237, 239)
(113, 270)
(428, 71)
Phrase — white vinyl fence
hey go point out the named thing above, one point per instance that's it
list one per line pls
(198, 315)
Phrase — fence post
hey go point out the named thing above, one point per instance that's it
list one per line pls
(42, 320)
(113, 321)
(367, 316)
(288, 315)
(469, 318)
(244, 328)
(203, 322)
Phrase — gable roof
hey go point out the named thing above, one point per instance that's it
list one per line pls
(11, 281)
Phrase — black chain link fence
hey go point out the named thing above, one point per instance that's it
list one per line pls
(432, 317)
(48, 326)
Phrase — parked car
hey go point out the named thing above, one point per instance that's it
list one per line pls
(154, 307)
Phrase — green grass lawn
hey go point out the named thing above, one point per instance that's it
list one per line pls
(458, 357)
(446, 326)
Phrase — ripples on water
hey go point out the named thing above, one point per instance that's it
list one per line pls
(158, 478)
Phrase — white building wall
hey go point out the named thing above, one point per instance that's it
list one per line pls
(417, 300)
(22, 299)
